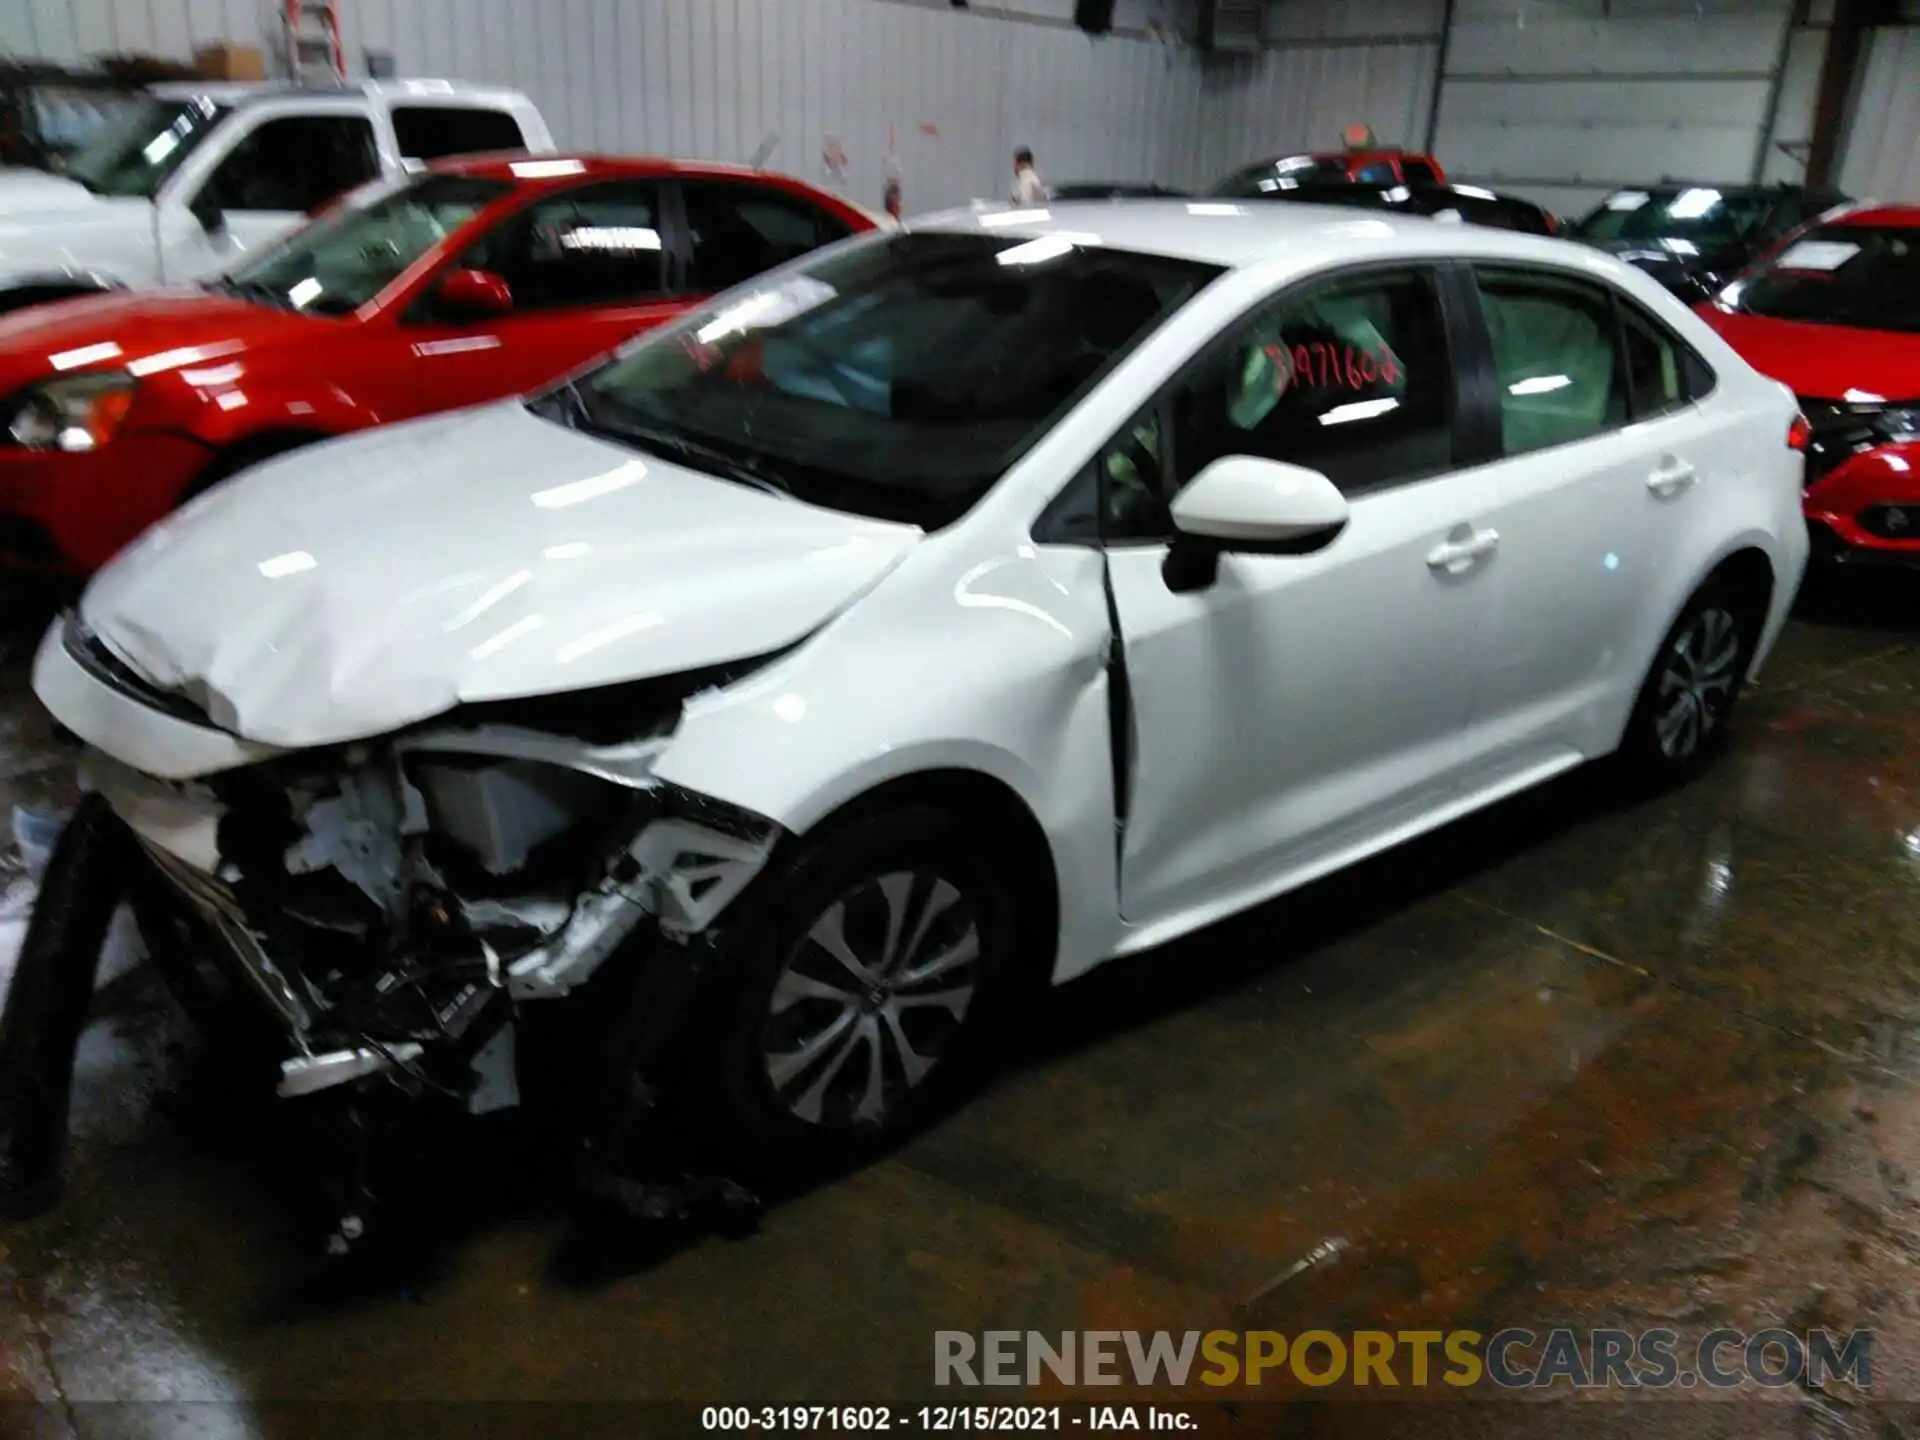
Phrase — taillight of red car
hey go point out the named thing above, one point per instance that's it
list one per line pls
(1799, 433)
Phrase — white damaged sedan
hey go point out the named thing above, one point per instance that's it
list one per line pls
(956, 609)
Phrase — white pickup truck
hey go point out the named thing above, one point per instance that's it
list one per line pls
(199, 173)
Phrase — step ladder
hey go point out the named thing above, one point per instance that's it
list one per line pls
(315, 55)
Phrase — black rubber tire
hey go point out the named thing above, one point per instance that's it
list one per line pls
(723, 1085)
(1641, 755)
(46, 1006)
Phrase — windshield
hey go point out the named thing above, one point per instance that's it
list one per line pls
(1273, 175)
(136, 154)
(1703, 218)
(1865, 276)
(348, 256)
(896, 378)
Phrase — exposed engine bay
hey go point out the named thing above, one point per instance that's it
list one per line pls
(394, 903)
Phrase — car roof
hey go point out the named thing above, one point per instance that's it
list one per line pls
(1363, 152)
(1680, 187)
(1330, 187)
(1896, 216)
(520, 167)
(1236, 233)
(242, 92)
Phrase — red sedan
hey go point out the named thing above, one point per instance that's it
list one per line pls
(475, 280)
(1835, 314)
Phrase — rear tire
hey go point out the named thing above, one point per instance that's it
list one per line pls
(856, 1001)
(1679, 722)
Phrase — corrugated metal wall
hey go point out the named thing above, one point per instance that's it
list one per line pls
(952, 91)
(1565, 99)
(1365, 62)
(1299, 97)
(1883, 154)
(1557, 99)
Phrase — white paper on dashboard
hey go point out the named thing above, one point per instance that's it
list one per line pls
(1817, 255)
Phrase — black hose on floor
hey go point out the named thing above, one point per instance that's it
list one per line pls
(47, 1004)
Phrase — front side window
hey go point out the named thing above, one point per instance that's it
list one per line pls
(429, 132)
(1349, 377)
(739, 231)
(135, 155)
(899, 378)
(1418, 172)
(595, 245)
(1555, 358)
(1867, 276)
(340, 262)
(296, 163)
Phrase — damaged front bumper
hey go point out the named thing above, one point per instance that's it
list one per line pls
(394, 903)
(395, 910)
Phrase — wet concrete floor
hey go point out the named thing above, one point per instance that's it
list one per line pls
(1583, 1061)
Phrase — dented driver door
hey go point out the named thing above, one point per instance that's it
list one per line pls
(1304, 708)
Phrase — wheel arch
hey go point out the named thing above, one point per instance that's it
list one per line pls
(994, 813)
(323, 414)
(1749, 570)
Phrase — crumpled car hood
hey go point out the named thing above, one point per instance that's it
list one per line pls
(346, 591)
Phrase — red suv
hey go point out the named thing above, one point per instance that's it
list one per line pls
(474, 280)
(1835, 314)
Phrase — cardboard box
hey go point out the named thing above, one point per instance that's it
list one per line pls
(230, 62)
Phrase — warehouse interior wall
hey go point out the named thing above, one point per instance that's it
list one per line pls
(1558, 100)
(1564, 100)
(943, 94)
(1882, 152)
(1324, 67)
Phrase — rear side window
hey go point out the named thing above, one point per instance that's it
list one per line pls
(428, 132)
(1555, 358)
(737, 231)
(1378, 173)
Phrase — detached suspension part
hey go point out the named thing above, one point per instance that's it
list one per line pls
(47, 1003)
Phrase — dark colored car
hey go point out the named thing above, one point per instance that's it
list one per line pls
(1468, 203)
(1114, 190)
(1371, 166)
(1695, 238)
(1836, 316)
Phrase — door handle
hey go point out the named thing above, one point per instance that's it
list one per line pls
(1671, 478)
(1456, 557)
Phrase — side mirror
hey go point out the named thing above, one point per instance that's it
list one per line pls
(205, 207)
(475, 294)
(1242, 505)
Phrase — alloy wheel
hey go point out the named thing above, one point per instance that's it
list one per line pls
(1696, 682)
(873, 993)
